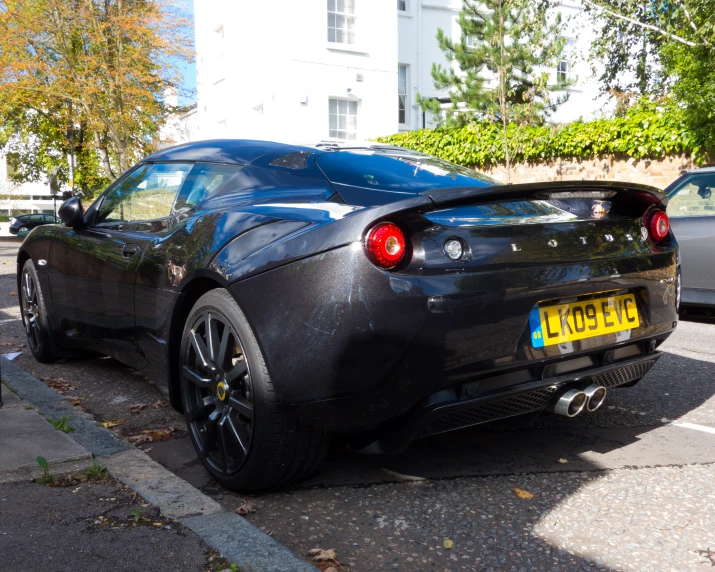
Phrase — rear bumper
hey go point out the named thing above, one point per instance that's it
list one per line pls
(448, 410)
(350, 348)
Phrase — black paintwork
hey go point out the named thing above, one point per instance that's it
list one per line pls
(351, 347)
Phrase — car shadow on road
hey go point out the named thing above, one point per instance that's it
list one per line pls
(460, 485)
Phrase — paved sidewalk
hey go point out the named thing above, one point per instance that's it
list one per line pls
(83, 525)
(141, 517)
(27, 435)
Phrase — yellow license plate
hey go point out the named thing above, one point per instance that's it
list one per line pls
(578, 320)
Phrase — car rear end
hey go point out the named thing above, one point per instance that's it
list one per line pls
(485, 302)
(534, 295)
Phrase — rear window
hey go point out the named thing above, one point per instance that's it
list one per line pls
(397, 172)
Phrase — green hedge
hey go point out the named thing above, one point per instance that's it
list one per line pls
(646, 131)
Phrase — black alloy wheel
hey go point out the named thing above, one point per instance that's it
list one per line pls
(244, 435)
(31, 310)
(34, 315)
(217, 392)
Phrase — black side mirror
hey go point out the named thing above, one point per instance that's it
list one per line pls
(705, 192)
(71, 213)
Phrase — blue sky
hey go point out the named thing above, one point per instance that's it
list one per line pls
(188, 70)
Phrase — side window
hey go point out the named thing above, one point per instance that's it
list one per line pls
(148, 193)
(36, 218)
(694, 197)
(203, 181)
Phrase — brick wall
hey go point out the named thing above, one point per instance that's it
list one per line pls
(658, 173)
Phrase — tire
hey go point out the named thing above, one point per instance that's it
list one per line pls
(241, 432)
(34, 315)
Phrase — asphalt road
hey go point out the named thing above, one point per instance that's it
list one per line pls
(629, 487)
(89, 527)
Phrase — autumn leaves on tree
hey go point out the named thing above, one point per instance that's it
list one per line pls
(97, 69)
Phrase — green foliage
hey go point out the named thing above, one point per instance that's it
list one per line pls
(648, 130)
(693, 68)
(510, 41)
(61, 424)
(630, 54)
(97, 472)
(46, 478)
(669, 46)
(37, 141)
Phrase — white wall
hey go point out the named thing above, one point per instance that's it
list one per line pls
(265, 70)
(273, 73)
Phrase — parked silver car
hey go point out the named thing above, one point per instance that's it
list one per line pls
(691, 211)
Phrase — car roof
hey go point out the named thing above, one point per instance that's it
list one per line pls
(700, 170)
(232, 151)
(245, 151)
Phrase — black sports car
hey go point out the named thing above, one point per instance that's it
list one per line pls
(289, 293)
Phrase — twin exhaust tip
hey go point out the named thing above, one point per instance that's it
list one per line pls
(573, 401)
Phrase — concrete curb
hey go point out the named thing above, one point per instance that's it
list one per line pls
(234, 537)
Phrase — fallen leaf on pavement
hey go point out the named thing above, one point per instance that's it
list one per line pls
(58, 384)
(268, 532)
(522, 494)
(447, 543)
(139, 439)
(320, 555)
(709, 554)
(563, 461)
(73, 400)
(137, 407)
(116, 423)
(157, 435)
(13, 293)
(245, 508)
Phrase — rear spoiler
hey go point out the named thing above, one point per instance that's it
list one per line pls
(314, 239)
(453, 197)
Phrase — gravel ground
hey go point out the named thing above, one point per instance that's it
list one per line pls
(635, 492)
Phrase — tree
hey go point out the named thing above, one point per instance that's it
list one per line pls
(112, 59)
(680, 35)
(38, 140)
(499, 60)
(630, 54)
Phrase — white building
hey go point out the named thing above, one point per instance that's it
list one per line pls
(315, 70)
(16, 199)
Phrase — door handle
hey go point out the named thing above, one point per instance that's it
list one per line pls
(129, 250)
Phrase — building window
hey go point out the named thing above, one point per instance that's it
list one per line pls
(563, 69)
(402, 94)
(341, 21)
(402, 5)
(343, 118)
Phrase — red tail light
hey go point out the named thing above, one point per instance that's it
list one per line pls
(385, 245)
(658, 225)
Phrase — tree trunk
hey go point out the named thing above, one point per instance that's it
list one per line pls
(104, 157)
(502, 92)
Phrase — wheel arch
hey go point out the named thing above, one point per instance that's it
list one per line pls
(22, 257)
